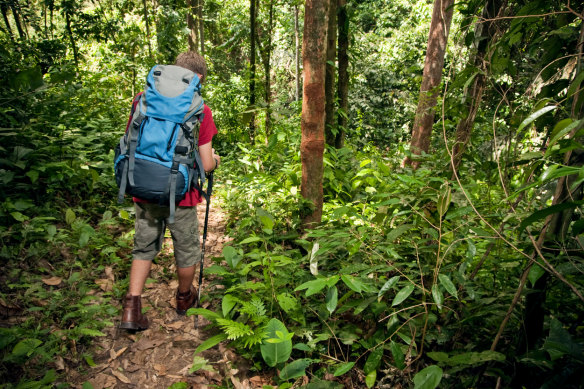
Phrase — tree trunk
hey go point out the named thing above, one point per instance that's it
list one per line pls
(72, 39)
(267, 70)
(201, 3)
(312, 123)
(343, 81)
(192, 7)
(329, 81)
(297, 52)
(432, 76)
(252, 66)
(484, 35)
(14, 7)
(145, 11)
(4, 8)
(558, 223)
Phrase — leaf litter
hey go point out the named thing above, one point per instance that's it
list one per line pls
(163, 354)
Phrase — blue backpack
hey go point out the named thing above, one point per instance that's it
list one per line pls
(157, 158)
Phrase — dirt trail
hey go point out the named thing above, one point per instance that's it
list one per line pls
(163, 354)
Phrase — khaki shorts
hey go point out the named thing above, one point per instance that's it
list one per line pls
(151, 222)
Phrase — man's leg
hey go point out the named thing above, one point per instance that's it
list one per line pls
(187, 252)
(150, 228)
(186, 275)
(138, 275)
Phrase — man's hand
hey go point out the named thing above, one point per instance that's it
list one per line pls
(217, 158)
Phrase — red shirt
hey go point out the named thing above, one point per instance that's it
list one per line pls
(207, 130)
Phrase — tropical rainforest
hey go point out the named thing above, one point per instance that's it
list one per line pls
(399, 203)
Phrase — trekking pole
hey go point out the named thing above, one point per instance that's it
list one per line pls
(208, 199)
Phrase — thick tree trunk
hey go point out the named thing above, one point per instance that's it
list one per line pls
(329, 81)
(343, 81)
(252, 66)
(432, 76)
(484, 35)
(147, 24)
(312, 123)
(192, 7)
(297, 52)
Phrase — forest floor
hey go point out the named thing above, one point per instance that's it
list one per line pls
(163, 354)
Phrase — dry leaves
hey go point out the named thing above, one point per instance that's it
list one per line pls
(52, 281)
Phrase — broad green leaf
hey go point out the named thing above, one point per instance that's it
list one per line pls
(398, 355)
(444, 201)
(87, 385)
(473, 358)
(371, 378)
(295, 369)
(428, 378)
(19, 216)
(396, 232)
(274, 353)
(124, 214)
(437, 296)
(287, 302)
(251, 239)
(353, 283)
(387, 286)
(542, 213)
(446, 282)
(207, 314)
(575, 85)
(313, 287)
(332, 298)
(26, 347)
(535, 274)
(438, 356)
(70, 216)
(561, 129)
(373, 360)
(403, 294)
(343, 368)
(211, 342)
(531, 118)
(227, 304)
(231, 256)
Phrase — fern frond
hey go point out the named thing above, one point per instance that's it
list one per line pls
(255, 309)
(234, 329)
(257, 337)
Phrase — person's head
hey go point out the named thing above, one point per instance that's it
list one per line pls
(194, 62)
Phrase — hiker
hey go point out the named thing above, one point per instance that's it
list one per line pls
(152, 220)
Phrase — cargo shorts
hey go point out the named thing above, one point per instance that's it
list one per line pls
(151, 223)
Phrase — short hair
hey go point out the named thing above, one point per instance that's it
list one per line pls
(194, 62)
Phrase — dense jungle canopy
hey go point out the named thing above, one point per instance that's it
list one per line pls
(401, 184)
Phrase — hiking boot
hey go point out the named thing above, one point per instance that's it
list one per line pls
(185, 300)
(132, 317)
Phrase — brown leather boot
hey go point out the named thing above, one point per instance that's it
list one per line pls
(185, 300)
(132, 317)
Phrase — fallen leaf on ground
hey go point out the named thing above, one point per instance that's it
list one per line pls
(103, 381)
(105, 285)
(53, 281)
(115, 354)
(121, 377)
